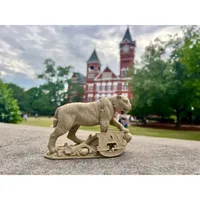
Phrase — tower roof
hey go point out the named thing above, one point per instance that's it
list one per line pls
(127, 36)
(94, 57)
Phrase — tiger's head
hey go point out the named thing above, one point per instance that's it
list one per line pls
(122, 103)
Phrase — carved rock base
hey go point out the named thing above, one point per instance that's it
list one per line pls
(109, 144)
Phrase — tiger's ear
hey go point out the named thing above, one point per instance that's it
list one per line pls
(118, 97)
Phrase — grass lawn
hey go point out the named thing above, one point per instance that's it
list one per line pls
(42, 121)
(187, 135)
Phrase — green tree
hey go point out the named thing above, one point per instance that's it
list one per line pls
(184, 61)
(56, 79)
(19, 94)
(31, 95)
(38, 102)
(75, 92)
(190, 52)
(190, 55)
(165, 84)
(148, 83)
(9, 110)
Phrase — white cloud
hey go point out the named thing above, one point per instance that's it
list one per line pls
(144, 40)
(23, 49)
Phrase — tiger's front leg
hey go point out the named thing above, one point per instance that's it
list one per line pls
(104, 120)
(115, 123)
(104, 125)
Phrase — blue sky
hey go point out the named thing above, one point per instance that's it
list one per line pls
(23, 49)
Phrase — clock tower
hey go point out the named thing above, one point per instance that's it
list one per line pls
(127, 53)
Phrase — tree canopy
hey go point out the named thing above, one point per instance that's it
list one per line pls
(9, 110)
(56, 78)
(19, 94)
(47, 97)
(168, 83)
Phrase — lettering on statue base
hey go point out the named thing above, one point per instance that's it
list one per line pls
(105, 144)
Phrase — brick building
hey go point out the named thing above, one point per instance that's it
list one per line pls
(107, 83)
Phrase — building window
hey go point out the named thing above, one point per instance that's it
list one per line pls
(123, 72)
(97, 97)
(115, 86)
(90, 87)
(107, 75)
(103, 95)
(124, 86)
(109, 85)
(103, 86)
(98, 87)
(91, 75)
(126, 61)
(90, 97)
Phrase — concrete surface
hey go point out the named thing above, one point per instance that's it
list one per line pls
(22, 150)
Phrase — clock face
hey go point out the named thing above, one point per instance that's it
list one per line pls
(126, 49)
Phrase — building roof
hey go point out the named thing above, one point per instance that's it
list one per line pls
(94, 57)
(107, 69)
(80, 77)
(127, 37)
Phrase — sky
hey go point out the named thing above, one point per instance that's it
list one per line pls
(23, 49)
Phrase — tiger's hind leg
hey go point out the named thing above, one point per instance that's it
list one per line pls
(53, 138)
(72, 135)
(63, 126)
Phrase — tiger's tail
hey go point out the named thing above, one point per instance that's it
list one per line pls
(55, 120)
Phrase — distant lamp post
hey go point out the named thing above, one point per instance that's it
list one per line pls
(192, 109)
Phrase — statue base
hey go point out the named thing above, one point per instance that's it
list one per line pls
(105, 144)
